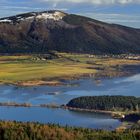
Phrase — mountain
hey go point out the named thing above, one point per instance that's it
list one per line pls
(40, 32)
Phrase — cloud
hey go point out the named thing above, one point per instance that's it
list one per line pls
(97, 2)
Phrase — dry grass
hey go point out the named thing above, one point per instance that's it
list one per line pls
(14, 69)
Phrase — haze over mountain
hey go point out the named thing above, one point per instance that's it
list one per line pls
(40, 32)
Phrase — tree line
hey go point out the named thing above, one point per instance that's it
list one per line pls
(36, 131)
(108, 103)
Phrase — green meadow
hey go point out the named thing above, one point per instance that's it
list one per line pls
(29, 68)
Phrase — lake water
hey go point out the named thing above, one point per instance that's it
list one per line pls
(59, 116)
(61, 95)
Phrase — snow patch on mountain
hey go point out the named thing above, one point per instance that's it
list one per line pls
(55, 15)
(5, 20)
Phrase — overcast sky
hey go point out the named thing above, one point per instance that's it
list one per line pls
(125, 12)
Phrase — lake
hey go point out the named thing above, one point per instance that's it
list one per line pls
(128, 86)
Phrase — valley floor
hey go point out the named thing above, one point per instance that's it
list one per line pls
(29, 70)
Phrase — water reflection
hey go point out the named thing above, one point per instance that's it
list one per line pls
(59, 116)
(62, 94)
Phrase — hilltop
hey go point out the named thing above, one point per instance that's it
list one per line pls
(40, 32)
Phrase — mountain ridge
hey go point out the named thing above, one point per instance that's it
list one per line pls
(40, 32)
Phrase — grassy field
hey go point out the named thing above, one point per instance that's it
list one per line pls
(29, 70)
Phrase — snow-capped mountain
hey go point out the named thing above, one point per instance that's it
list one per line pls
(39, 32)
(46, 15)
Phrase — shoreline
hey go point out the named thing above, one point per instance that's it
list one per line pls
(114, 114)
(58, 80)
(120, 116)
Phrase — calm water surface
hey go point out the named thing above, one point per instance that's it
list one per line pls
(59, 116)
(61, 95)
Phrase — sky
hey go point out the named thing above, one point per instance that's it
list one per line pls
(124, 12)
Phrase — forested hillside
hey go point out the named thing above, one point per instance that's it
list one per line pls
(36, 131)
(108, 103)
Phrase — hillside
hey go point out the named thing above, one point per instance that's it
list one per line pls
(36, 131)
(40, 32)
